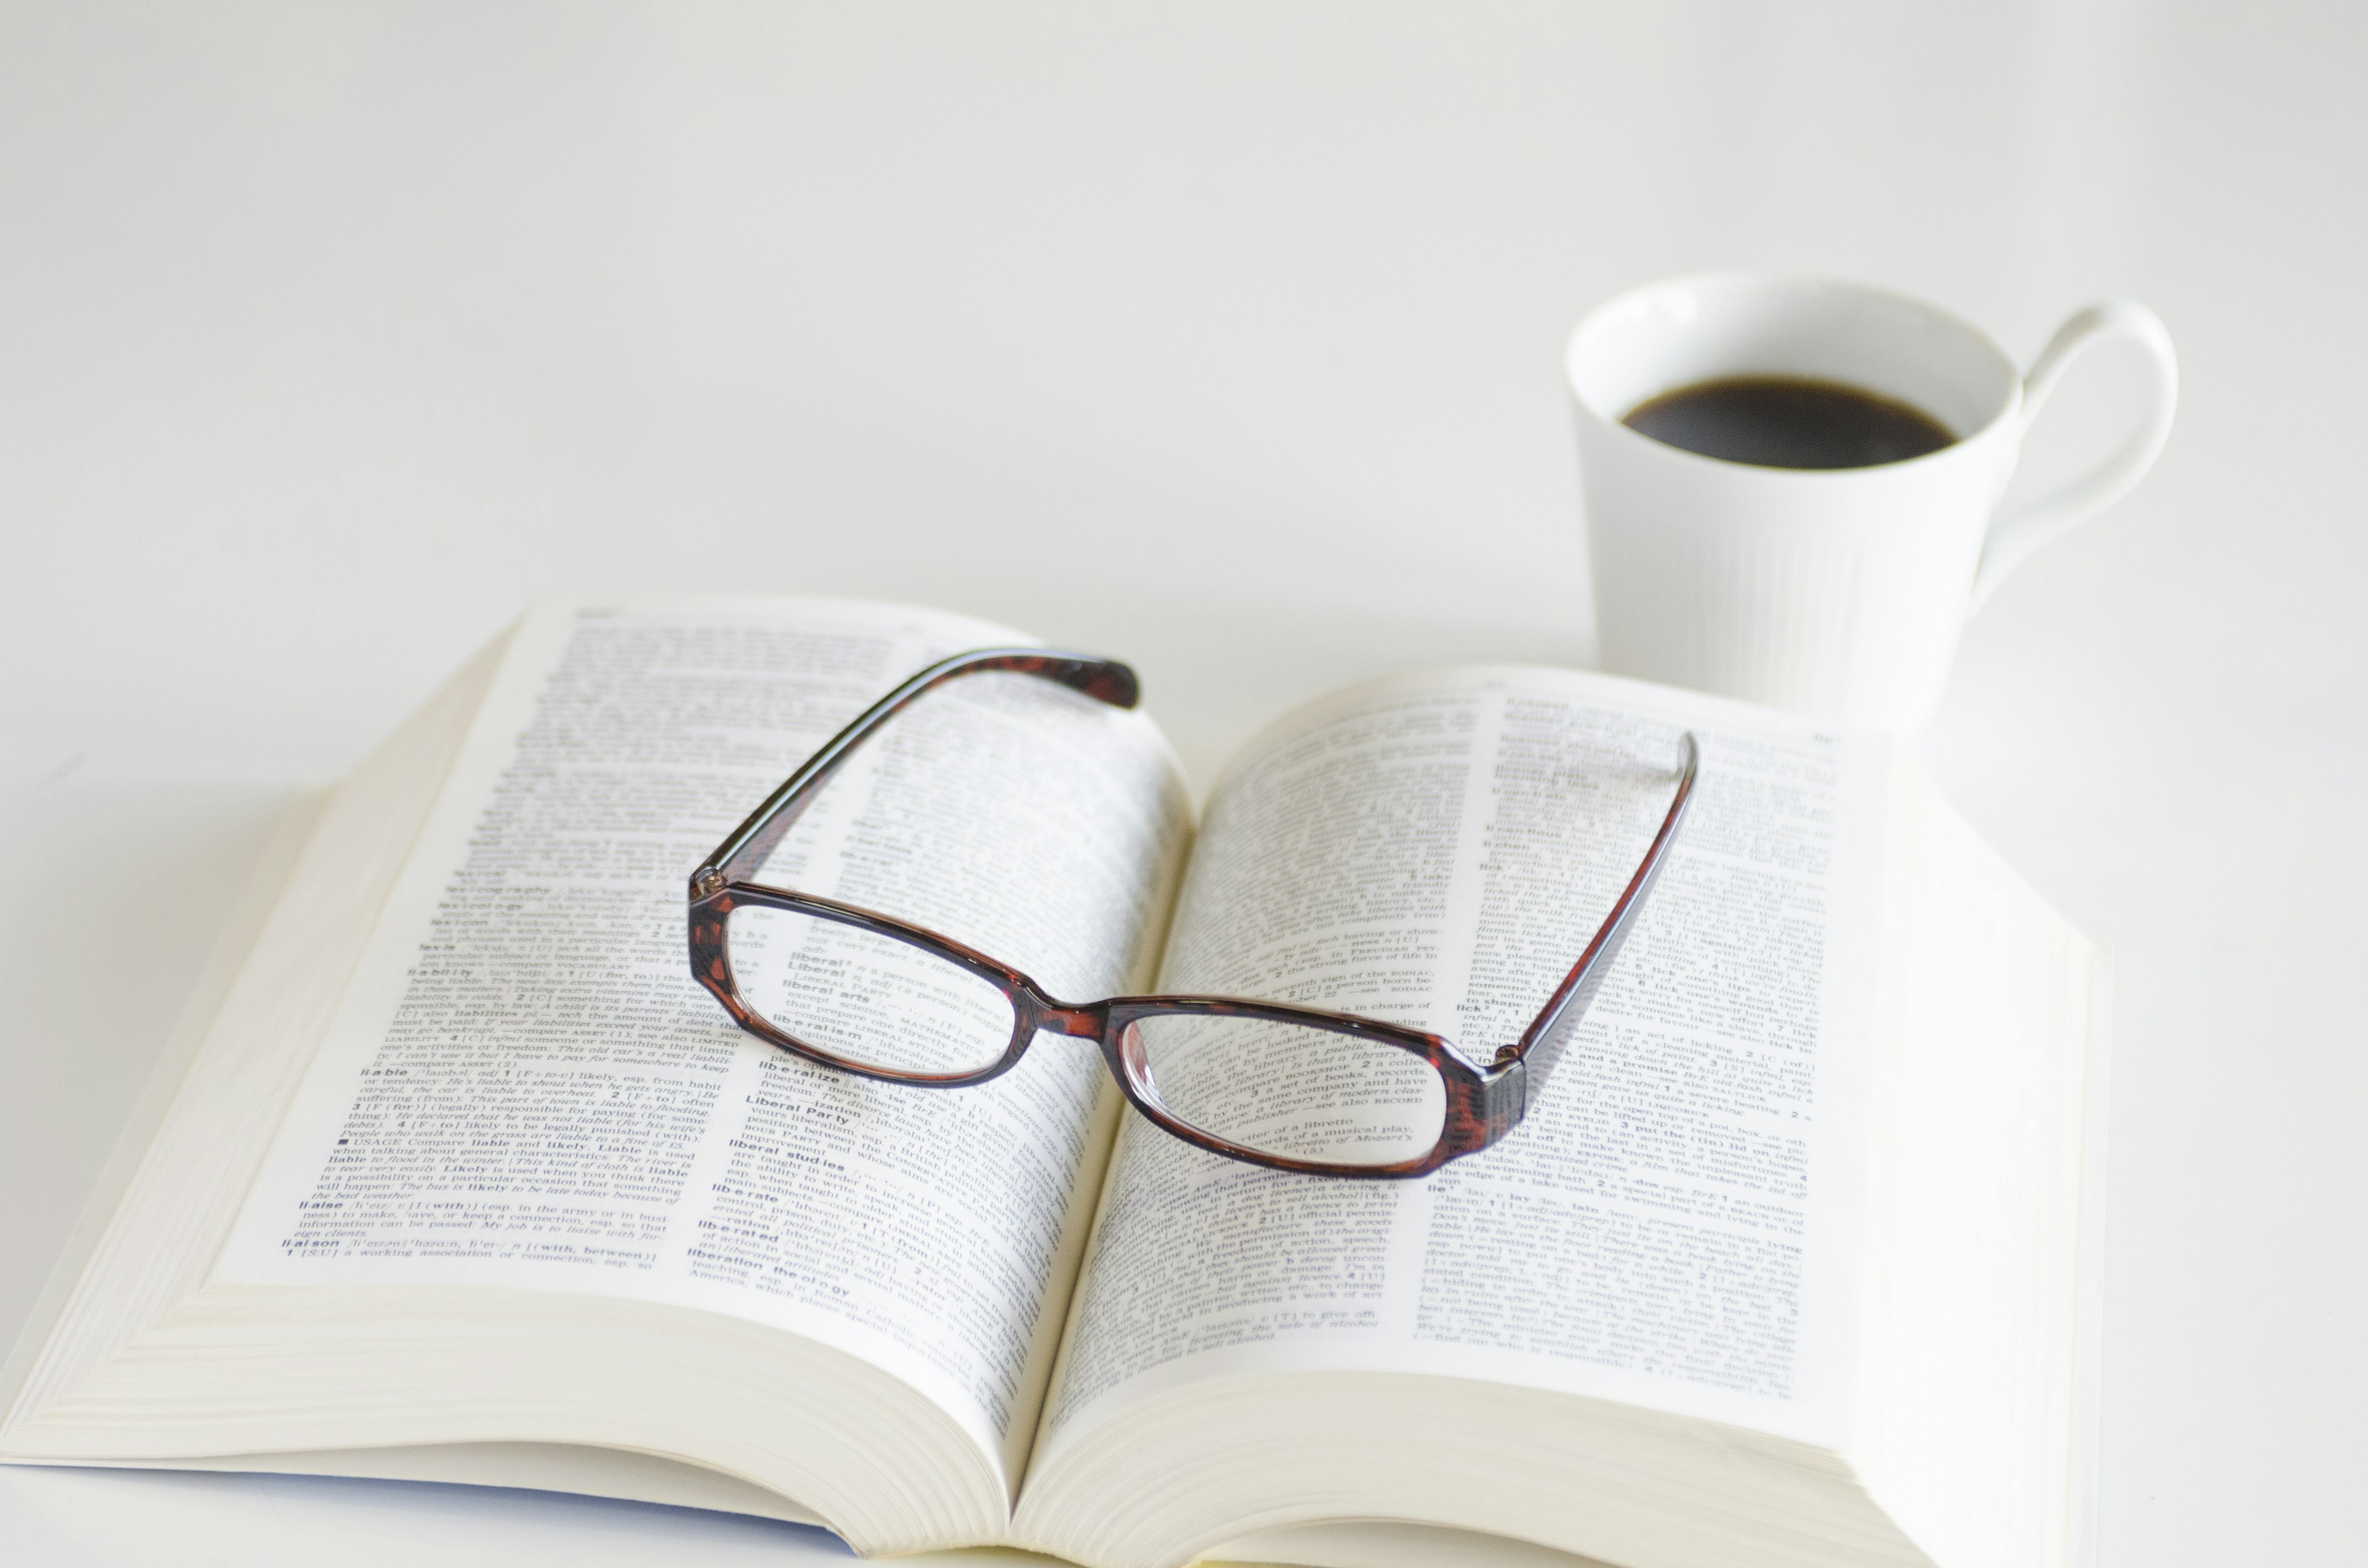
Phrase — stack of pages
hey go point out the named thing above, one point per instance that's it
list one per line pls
(456, 1173)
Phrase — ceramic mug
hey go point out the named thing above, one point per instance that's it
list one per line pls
(1836, 592)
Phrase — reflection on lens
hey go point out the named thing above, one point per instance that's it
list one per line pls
(1286, 1089)
(865, 998)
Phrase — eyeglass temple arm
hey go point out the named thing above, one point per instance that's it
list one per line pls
(738, 857)
(1541, 1045)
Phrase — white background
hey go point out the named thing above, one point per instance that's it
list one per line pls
(1224, 338)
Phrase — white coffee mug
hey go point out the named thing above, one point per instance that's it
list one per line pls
(1836, 592)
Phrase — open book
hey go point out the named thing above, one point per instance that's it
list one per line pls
(456, 1173)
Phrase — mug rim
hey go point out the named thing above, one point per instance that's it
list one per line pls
(1630, 299)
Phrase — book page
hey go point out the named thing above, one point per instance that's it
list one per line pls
(525, 1088)
(1673, 1224)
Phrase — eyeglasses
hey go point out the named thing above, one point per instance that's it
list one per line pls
(1294, 1088)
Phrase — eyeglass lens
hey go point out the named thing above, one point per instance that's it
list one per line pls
(1288, 1090)
(864, 998)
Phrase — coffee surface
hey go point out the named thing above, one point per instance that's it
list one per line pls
(1789, 422)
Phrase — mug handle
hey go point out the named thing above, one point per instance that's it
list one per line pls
(2013, 538)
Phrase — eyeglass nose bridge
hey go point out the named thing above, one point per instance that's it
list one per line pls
(1078, 1021)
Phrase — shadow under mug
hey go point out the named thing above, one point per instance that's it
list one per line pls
(1835, 591)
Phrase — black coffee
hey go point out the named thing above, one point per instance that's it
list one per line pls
(1789, 422)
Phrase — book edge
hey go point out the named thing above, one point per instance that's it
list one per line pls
(250, 913)
(565, 1469)
(151, 1123)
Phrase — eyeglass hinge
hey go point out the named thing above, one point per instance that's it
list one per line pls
(1507, 1092)
(707, 884)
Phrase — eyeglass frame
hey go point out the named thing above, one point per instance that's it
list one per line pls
(1484, 1101)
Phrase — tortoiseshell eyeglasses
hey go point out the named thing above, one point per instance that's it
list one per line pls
(1294, 1088)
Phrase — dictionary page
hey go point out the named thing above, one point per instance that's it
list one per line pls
(1675, 1224)
(525, 1089)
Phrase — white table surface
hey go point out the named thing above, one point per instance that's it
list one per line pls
(1226, 338)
